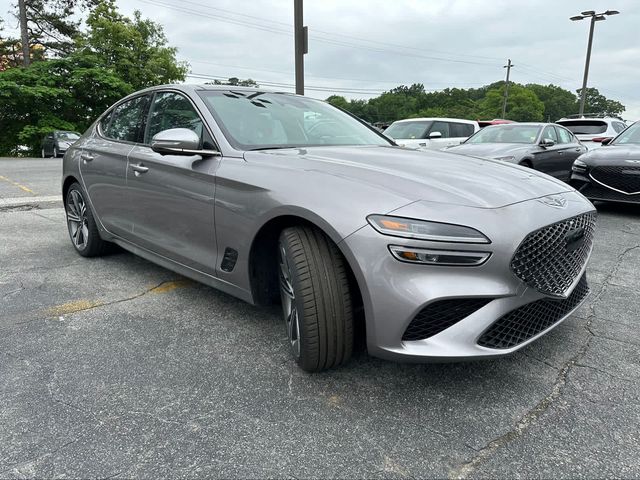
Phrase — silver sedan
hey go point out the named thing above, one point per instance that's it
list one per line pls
(273, 197)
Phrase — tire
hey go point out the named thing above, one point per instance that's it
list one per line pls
(81, 224)
(316, 300)
(55, 152)
(43, 154)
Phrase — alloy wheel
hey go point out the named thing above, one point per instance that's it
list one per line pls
(291, 317)
(77, 219)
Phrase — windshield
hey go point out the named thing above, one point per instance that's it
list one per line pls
(69, 136)
(506, 134)
(585, 127)
(408, 130)
(630, 135)
(261, 120)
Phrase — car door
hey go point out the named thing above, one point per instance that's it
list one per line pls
(47, 144)
(549, 159)
(572, 150)
(103, 163)
(171, 197)
(444, 140)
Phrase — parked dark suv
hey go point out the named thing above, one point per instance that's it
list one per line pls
(54, 144)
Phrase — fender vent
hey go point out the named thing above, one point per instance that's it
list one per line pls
(229, 260)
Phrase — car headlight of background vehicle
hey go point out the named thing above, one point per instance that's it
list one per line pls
(579, 166)
(508, 158)
(425, 230)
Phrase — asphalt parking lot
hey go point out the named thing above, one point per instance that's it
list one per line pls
(113, 367)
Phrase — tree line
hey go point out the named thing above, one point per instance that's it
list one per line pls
(526, 103)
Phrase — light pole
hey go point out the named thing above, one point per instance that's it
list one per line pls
(595, 17)
(301, 44)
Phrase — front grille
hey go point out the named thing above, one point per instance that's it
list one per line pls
(526, 322)
(438, 316)
(625, 179)
(594, 191)
(551, 258)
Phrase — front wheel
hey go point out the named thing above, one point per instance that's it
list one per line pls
(316, 300)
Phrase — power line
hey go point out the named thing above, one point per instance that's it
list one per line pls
(333, 34)
(226, 19)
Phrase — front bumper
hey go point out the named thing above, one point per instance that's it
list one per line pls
(394, 293)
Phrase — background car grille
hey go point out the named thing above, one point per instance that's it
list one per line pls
(439, 316)
(594, 191)
(525, 322)
(544, 260)
(626, 179)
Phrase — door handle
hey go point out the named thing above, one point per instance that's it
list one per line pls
(86, 158)
(139, 169)
(560, 153)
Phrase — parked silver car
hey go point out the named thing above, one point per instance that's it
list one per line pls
(266, 195)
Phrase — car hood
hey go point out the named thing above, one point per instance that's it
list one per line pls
(491, 150)
(432, 176)
(613, 154)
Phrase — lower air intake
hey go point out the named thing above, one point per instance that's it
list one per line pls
(526, 322)
(438, 316)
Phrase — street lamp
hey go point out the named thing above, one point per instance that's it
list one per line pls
(595, 17)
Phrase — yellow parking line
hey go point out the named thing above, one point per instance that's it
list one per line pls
(72, 307)
(16, 184)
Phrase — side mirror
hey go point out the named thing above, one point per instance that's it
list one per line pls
(606, 141)
(435, 135)
(179, 141)
(546, 143)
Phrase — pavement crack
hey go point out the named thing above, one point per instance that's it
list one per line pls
(531, 417)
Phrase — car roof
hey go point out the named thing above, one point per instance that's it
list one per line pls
(430, 119)
(194, 87)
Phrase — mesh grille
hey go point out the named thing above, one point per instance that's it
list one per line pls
(593, 191)
(626, 179)
(551, 258)
(529, 320)
(438, 316)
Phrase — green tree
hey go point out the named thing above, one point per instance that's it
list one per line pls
(116, 56)
(65, 94)
(558, 102)
(136, 49)
(598, 103)
(522, 106)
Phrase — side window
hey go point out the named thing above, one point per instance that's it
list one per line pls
(104, 122)
(442, 127)
(550, 134)
(129, 120)
(619, 126)
(460, 129)
(563, 135)
(172, 110)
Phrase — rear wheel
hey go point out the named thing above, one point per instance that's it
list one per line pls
(82, 225)
(316, 300)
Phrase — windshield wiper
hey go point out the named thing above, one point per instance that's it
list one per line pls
(280, 147)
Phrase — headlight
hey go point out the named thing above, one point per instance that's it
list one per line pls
(509, 158)
(439, 257)
(425, 230)
(64, 144)
(579, 166)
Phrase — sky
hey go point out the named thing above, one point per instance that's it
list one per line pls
(359, 48)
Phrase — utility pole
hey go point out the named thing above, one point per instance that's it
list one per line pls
(301, 38)
(24, 32)
(595, 17)
(508, 66)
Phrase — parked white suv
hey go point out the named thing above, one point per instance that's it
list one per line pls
(592, 129)
(431, 133)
